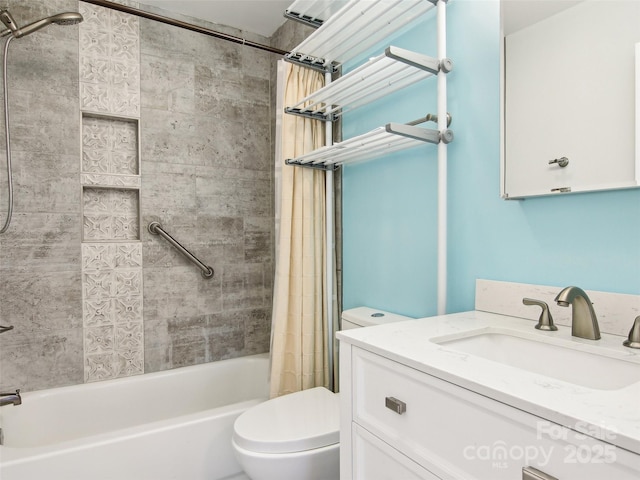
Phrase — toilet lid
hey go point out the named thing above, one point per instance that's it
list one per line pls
(292, 423)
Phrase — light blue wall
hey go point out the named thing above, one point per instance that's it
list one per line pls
(591, 240)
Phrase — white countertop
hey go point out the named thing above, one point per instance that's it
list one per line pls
(609, 415)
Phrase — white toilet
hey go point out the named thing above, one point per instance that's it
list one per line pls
(297, 436)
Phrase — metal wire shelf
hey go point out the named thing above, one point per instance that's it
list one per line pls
(355, 28)
(393, 70)
(381, 141)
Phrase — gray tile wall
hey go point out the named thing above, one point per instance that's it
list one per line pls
(40, 270)
(207, 176)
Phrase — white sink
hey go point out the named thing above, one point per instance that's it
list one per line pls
(561, 360)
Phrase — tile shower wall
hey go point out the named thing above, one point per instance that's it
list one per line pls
(75, 278)
(40, 262)
(207, 178)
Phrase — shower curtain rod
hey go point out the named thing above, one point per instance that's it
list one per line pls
(187, 26)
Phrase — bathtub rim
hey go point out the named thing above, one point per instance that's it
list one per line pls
(10, 454)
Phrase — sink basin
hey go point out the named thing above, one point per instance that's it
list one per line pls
(560, 360)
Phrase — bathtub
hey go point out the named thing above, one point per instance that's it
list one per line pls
(175, 424)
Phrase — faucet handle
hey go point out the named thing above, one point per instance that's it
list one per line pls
(634, 335)
(545, 322)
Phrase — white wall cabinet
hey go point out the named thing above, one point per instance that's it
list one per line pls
(569, 86)
(448, 432)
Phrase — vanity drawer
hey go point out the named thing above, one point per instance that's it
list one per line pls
(375, 460)
(458, 434)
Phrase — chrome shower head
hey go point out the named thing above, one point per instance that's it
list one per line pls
(67, 18)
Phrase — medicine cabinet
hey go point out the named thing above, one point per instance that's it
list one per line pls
(569, 93)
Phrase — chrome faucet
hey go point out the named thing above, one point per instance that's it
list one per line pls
(584, 323)
(10, 398)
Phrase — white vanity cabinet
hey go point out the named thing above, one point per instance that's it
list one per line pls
(399, 423)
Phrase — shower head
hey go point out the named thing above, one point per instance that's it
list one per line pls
(67, 18)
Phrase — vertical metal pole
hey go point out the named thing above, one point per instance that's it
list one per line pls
(329, 266)
(442, 161)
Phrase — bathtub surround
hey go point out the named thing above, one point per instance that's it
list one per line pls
(204, 171)
(40, 261)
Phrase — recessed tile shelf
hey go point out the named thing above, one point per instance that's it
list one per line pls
(110, 145)
(110, 214)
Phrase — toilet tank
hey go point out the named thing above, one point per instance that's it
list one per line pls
(366, 317)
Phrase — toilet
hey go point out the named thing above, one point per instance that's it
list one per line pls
(297, 436)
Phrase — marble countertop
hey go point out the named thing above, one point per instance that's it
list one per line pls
(610, 415)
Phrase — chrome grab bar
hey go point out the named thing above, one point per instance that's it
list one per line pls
(156, 229)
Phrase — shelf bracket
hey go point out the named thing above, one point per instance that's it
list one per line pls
(318, 166)
(417, 60)
(311, 114)
(424, 134)
(311, 62)
(305, 19)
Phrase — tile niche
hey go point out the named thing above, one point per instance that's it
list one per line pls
(111, 173)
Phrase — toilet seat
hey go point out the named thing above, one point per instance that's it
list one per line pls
(296, 422)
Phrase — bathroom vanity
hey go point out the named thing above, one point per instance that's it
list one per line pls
(480, 396)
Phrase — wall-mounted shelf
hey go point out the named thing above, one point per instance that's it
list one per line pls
(355, 28)
(393, 137)
(313, 12)
(395, 69)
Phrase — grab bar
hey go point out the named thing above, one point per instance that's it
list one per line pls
(156, 229)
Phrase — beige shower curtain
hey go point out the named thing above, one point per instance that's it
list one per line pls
(298, 343)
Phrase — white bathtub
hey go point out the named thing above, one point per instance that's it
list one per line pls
(175, 424)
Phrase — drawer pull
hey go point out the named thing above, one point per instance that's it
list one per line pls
(530, 473)
(396, 405)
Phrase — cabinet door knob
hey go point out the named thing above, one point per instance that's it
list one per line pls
(396, 405)
(530, 473)
(562, 161)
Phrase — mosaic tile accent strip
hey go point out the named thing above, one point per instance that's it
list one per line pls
(109, 145)
(109, 61)
(112, 310)
(110, 214)
(110, 175)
